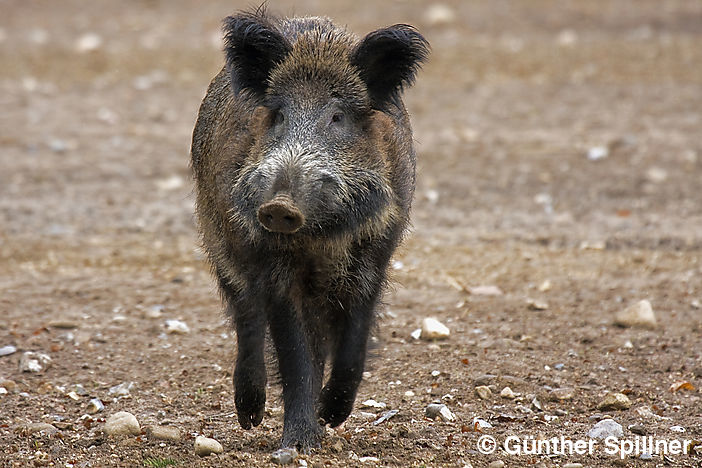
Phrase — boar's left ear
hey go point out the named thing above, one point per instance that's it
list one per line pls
(388, 60)
(253, 46)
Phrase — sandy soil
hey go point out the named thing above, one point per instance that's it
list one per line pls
(98, 246)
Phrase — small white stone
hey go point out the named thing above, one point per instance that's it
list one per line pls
(365, 416)
(507, 393)
(432, 329)
(545, 286)
(95, 406)
(481, 424)
(88, 43)
(154, 311)
(562, 394)
(567, 37)
(432, 196)
(416, 334)
(177, 327)
(34, 362)
(57, 145)
(446, 415)
(374, 404)
(438, 410)
(677, 429)
(440, 15)
(592, 245)
(597, 152)
(121, 390)
(122, 423)
(107, 116)
(173, 182)
(142, 82)
(7, 350)
(385, 416)
(164, 433)
(646, 412)
(656, 175)
(628, 344)
(369, 459)
(534, 304)
(638, 315)
(409, 393)
(487, 290)
(205, 446)
(483, 392)
(606, 428)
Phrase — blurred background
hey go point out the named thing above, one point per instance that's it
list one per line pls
(538, 114)
(560, 160)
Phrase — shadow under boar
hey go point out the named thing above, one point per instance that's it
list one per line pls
(305, 171)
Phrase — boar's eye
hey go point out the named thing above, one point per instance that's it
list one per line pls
(278, 118)
(337, 118)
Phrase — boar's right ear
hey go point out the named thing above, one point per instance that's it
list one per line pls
(388, 60)
(252, 46)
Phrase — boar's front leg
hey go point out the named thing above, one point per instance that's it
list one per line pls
(300, 375)
(338, 395)
(250, 371)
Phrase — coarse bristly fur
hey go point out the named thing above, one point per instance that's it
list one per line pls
(305, 171)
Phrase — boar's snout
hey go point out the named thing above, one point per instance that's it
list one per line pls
(281, 215)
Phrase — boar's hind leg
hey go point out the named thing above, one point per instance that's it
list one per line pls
(338, 395)
(250, 370)
(300, 377)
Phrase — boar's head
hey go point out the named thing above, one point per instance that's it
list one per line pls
(329, 137)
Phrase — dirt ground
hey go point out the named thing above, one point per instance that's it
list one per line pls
(560, 160)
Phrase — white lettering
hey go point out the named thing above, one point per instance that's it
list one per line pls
(611, 447)
(512, 449)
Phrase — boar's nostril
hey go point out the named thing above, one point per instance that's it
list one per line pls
(280, 215)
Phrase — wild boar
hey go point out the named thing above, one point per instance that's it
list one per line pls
(304, 172)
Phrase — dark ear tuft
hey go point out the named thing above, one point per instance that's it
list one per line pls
(252, 46)
(388, 60)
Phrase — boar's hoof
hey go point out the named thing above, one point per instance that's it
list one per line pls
(303, 438)
(250, 406)
(335, 405)
(280, 215)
